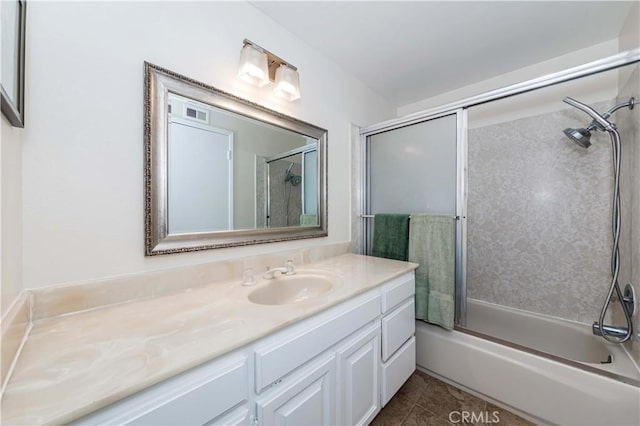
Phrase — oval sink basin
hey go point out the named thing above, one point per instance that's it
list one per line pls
(284, 289)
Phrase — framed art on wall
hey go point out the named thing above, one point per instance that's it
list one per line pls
(13, 14)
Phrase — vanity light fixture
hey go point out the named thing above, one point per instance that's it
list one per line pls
(253, 65)
(259, 67)
(287, 83)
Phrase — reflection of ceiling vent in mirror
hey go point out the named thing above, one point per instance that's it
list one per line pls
(197, 114)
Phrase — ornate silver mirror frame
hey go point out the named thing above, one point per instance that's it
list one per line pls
(159, 82)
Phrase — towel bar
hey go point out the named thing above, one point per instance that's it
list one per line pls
(369, 216)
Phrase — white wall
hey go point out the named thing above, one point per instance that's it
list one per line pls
(10, 213)
(599, 87)
(83, 148)
(628, 39)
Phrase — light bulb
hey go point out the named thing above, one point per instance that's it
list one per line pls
(287, 83)
(253, 66)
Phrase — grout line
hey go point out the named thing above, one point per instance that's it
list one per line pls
(406, 416)
(443, 417)
(415, 403)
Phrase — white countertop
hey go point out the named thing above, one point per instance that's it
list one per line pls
(72, 365)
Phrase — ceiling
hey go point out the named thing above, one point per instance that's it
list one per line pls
(408, 51)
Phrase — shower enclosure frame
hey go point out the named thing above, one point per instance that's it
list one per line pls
(460, 109)
(460, 203)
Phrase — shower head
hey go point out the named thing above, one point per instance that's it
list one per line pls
(597, 118)
(579, 136)
(291, 177)
(295, 180)
(600, 121)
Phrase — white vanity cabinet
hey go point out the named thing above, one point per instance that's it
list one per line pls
(398, 331)
(307, 398)
(299, 370)
(284, 351)
(358, 384)
(340, 366)
(216, 392)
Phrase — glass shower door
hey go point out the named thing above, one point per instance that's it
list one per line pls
(413, 168)
(418, 168)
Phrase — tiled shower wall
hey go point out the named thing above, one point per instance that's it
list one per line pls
(539, 216)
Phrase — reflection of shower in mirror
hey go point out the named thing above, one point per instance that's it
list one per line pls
(291, 186)
(291, 177)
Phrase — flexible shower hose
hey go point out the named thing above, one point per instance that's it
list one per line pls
(615, 253)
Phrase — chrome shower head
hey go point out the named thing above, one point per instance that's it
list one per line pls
(291, 177)
(597, 118)
(579, 136)
(600, 121)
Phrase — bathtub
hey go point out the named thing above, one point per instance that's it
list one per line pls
(545, 368)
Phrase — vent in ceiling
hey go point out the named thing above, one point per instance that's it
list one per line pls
(197, 114)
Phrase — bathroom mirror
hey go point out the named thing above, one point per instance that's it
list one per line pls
(221, 171)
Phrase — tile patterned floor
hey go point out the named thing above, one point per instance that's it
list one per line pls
(427, 401)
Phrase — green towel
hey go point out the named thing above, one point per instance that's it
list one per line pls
(308, 220)
(391, 236)
(432, 245)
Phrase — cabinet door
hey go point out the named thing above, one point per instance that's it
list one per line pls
(358, 381)
(305, 398)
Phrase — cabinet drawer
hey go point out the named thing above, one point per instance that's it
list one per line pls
(397, 370)
(397, 328)
(397, 290)
(237, 417)
(192, 398)
(198, 405)
(290, 351)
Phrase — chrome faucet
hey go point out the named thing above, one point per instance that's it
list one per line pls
(287, 269)
(611, 330)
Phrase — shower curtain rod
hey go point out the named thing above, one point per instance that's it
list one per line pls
(369, 216)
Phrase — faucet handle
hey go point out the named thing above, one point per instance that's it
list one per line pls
(291, 269)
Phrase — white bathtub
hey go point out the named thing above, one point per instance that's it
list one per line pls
(562, 387)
